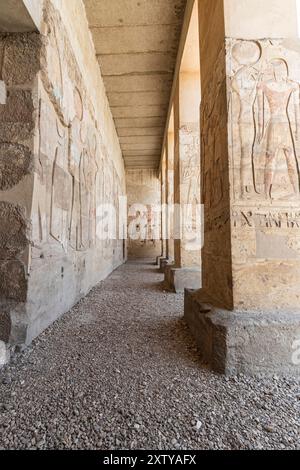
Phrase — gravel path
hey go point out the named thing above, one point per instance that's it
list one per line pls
(121, 371)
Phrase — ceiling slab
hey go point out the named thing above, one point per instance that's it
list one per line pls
(144, 132)
(20, 16)
(128, 12)
(139, 111)
(136, 44)
(137, 63)
(137, 82)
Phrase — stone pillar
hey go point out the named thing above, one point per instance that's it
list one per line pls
(246, 317)
(186, 272)
(162, 260)
(170, 194)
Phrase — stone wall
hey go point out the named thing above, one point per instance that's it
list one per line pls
(143, 189)
(59, 160)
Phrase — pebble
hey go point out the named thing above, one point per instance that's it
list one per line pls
(82, 383)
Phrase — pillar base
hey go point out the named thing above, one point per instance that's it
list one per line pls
(158, 258)
(162, 264)
(178, 279)
(252, 343)
(4, 354)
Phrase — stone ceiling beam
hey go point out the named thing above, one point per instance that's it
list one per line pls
(136, 46)
(20, 16)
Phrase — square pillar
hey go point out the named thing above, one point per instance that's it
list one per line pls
(186, 271)
(170, 195)
(163, 182)
(246, 318)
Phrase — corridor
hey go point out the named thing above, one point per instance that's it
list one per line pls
(121, 371)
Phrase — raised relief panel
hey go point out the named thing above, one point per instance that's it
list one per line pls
(190, 185)
(54, 70)
(61, 189)
(264, 120)
(54, 179)
(77, 157)
(108, 199)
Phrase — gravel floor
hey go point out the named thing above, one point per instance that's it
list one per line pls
(121, 371)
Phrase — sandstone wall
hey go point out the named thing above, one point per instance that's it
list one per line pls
(143, 188)
(59, 160)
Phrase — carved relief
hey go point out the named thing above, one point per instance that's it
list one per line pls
(190, 163)
(244, 84)
(279, 91)
(13, 236)
(60, 190)
(15, 163)
(264, 120)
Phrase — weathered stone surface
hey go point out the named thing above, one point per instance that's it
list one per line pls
(163, 263)
(15, 163)
(3, 93)
(137, 54)
(17, 133)
(5, 326)
(20, 58)
(143, 197)
(179, 279)
(59, 158)
(13, 282)
(237, 342)
(13, 237)
(18, 108)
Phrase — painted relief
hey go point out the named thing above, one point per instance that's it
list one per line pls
(264, 120)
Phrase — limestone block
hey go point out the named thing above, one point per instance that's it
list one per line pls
(264, 111)
(163, 263)
(179, 279)
(17, 133)
(3, 92)
(250, 343)
(256, 19)
(13, 281)
(56, 127)
(18, 108)
(5, 326)
(264, 138)
(157, 262)
(21, 58)
(4, 355)
(143, 197)
(13, 236)
(15, 164)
